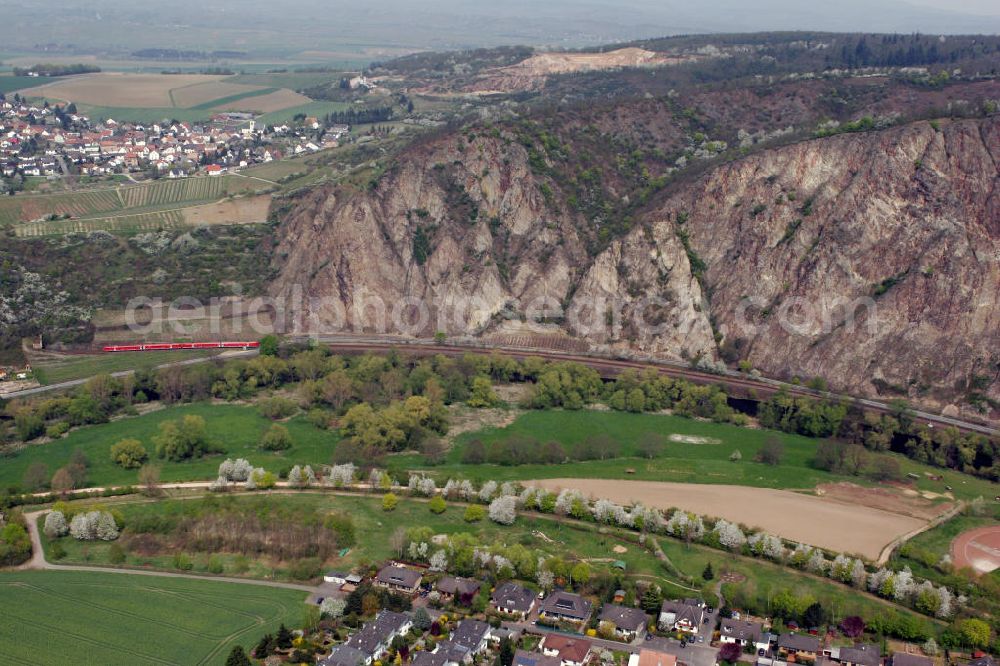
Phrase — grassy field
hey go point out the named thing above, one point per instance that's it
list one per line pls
(683, 462)
(316, 109)
(235, 428)
(53, 370)
(229, 99)
(103, 619)
(10, 83)
(546, 535)
(144, 115)
(293, 80)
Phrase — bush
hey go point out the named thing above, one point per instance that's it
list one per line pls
(389, 502)
(276, 438)
(128, 453)
(182, 562)
(474, 513)
(277, 408)
(437, 504)
(116, 554)
(56, 551)
(57, 430)
(305, 568)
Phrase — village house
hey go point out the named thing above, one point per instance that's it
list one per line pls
(525, 658)
(512, 599)
(859, 655)
(473, 635)
(425, 658)
(687, 616)
(798, 646)
(905, 659)
(570, 650)
(744, 633)
(399, 579)
(647, 657)
(367, 645)
(459, 589)
(628, 622)
(566, 606)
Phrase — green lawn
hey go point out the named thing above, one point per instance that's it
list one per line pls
(679, 462)
(107, 619)
(54, 371)
(10, 83)
(547, 535)
(236, 428)
(144, 115)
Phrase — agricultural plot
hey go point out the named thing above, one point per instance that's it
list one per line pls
(153, 221)
(77, 204)
(181, 190)
(134, 619)
(53, 368)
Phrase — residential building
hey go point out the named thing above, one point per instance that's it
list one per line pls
(860, 655)
(344, 655)
(460, 589)
(687, 616)
(647, 657)
(742, 632)
(799, 646)
(512, 599)
(425, 658)
(904, 659)
(376, 636)
(629, 622)
(400, 579)
(570, 650)
(525, 658)
(566, 606)
(335, 577)
(472, 635)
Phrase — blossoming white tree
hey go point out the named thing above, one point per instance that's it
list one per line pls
(55, 524)
(341, 475)
(503, 510)
(333, 607)
(488, 490)
(730, 535)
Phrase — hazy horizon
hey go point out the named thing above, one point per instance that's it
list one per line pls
(336, 28)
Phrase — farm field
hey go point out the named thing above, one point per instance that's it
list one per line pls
(804, 518)
(135, 620)
(52, 369)
(235, 428)
(316, 109)
(154, 97)
(10, 83)
(135, 198)
(547, 535)
(678, 461)
(293, 80)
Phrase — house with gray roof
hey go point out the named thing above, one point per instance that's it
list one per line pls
(800, 645)
(905, 659)
(628, 621)
(472, 635)
(525, 658)
(399, 579)
(344, 655)
(376, 636)
(513, 599)
(860, 655)
(453, 587)
(562, 605)
(686, 616)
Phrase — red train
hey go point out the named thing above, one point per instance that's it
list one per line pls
(170, 346)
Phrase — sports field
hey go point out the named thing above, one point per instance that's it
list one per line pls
(105, 619)
(978, 549)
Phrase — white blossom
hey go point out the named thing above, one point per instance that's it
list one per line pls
(341, 475)
(858, 574)
(439, 561)
(545, 578)
(238, 470)
(879, 580)
(730, 534)
(508, 489)
(55, 524)
(94, 525)
(817, 562)
(686, 526)
(604, 510)
(426, 486)
(766, 545)
(418, 551)
(488, 490)
(566, 499)
(503, 510)
(220, 483)
(333, 607)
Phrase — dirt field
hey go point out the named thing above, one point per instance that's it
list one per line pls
(244, 210)
(276, 101)
(887, 499)
(122, 90)
(200, 93)
(809, 519)
(979, 549)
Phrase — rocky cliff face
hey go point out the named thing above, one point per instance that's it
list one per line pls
(872, 260)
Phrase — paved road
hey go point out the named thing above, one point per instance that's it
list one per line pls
(39, 562)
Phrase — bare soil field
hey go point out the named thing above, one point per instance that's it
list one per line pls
(243, 210)
(887, 499)
(269, 103)
(123, 90)
(200, 93)
(809, 519)
(978, 549)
